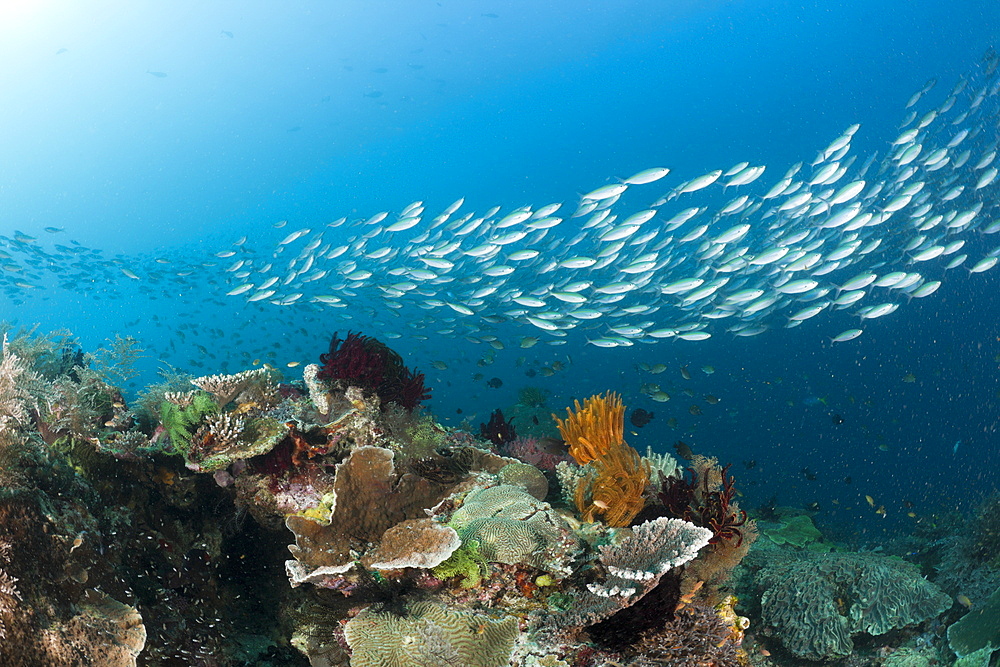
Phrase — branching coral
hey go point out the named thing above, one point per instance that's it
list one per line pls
(252, 386)
(368, 363)
(594, 427)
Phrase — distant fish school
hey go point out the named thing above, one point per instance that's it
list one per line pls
(839, 233)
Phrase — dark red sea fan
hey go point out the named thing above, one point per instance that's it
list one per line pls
(366, 362)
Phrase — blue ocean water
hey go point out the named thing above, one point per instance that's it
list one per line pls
(153, 131)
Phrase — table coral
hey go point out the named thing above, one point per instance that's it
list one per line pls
(634, 567)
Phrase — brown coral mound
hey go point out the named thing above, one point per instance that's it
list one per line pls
(594, 428)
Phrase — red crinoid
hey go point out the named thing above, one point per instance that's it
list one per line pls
(368, 363)
(717, 513)
(682, 498)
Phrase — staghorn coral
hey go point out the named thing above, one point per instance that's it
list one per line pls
(817, 602)
(594, 427)
(430, 635)
(614, 486)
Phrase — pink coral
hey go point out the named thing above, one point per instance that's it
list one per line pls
(533, 450)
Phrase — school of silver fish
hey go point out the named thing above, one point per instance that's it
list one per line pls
(631, 261)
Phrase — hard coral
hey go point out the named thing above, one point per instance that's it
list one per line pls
(368, 363)
(818, 601)
(429, 634)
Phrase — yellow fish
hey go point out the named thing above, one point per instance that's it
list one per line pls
(871, 501)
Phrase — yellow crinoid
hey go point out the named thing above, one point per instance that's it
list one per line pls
(594, 428)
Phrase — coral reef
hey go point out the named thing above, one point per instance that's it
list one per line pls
(420, 546)
(816, 602)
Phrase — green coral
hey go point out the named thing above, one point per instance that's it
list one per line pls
(425, 436)
(978, 629)
(532, 397)
(180, 423)
(467, 562)
(799, 531)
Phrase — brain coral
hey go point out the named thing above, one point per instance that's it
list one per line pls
(817, 602)
(512, 526)
(429, 635)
